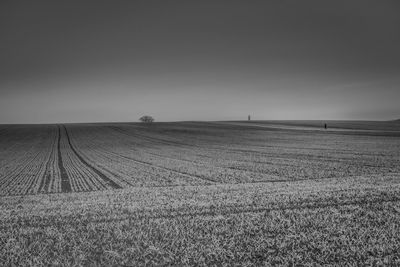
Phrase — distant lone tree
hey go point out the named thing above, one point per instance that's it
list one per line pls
(146, 119)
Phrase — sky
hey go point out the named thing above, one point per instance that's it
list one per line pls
(103, 61)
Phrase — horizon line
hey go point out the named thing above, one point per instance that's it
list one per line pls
(182, 121)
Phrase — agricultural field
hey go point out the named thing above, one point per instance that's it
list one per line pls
(200, 193)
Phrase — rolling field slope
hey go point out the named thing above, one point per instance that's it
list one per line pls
(90, 157)
(246, 193)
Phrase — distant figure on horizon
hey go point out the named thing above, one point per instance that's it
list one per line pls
(325, 126)
(248, 117)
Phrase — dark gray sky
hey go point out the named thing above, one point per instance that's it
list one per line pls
(78, 61)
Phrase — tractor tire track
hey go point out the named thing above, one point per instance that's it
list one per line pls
(148, 164)
(65, 183)
(100, 174)
(157, 166)
(168, 169)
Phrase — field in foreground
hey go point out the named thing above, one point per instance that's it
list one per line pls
(205, 193)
